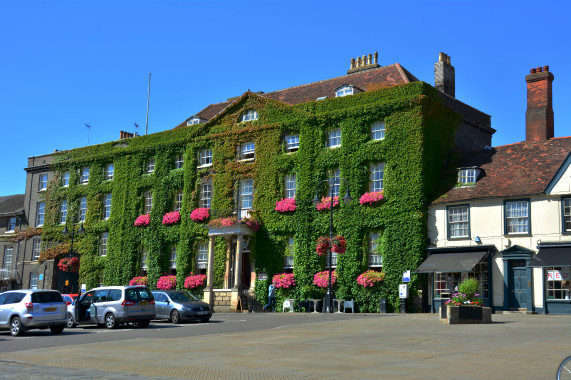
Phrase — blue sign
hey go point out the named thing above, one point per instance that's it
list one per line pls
(41, 276)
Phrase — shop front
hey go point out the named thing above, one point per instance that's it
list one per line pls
(554, 260)
(448, 267)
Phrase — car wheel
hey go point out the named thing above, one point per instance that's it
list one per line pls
(204, 320)
(144, 323)
(175, 316)
(70, 321)
(56, 330)
(16, 327)
(110, 321)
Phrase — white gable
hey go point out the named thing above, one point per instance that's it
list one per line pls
(561, 182)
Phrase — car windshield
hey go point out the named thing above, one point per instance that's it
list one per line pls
(138, 294)
(182, 296)
(46, 297)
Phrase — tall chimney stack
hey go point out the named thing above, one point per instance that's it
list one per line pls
(539, 113)
(444, 75)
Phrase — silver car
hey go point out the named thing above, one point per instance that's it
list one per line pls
(112, 306)
(21, 310)
(178, 305)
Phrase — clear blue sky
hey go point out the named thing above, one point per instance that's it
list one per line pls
(69, 63)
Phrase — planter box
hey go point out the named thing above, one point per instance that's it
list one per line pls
(465, 315)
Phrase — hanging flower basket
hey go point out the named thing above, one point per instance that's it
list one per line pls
(69, 264)
(325, 203)
(252, 223)
(284, 280)
(285, 205)
(370, 278)
(143, 220)
(321, 279)
(338, 245)
(195, 281)
(172, 217)
(141, 280)
(200, 214)
(166, 283)
(372, 198)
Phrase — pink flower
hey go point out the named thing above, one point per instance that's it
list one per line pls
(371, 198)
(370, 278)
(200, 214)
(321, 279)
(286, 205)
(171, 217)
(195, 281)
(284, 280)
(142, 280)
(143, 220)
(326, 203)
(166, 282)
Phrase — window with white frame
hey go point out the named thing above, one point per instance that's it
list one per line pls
(378, 130)
(63, 211)
(377, 177)
(292, 143)
(43, 182)
(467, 176)
(566, 214)
(65, 179)
(40, 213)
(177, 206)
(84, 178)
(107, 206)
(333, 138)
(150, 168)
(144, 256)
(193, 121)
(37, 248)
(34, 278)
(179, 161)
(172, 260)
(250, 115)
(458, 221)
(82, 208)
(290, 185)
(334, 182)
(201, 254)
(205, 193)
(289, 253)
(375, 257)
(558, 285)
(205, 158)
(344, 91)
(8, 255)
(246, 196)
(517, 217)
(247, 151)
(103, 238)
(148, 201)
(12, 221)
(109, 171)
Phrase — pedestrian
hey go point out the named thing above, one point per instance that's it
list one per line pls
(271, 297)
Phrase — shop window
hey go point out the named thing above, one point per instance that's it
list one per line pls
(458, 222)
(558, 285)
(445, 284)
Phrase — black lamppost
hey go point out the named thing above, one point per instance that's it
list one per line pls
(71, 254)
(347, 199)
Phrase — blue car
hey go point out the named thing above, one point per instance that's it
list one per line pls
(179, 305)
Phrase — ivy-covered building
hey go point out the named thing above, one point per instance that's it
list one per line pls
(378, 127)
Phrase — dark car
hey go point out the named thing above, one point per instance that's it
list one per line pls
(179, 305)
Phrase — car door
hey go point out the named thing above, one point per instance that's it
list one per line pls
(3, 310)
(99, 305)
(82, 308)
(161, 304)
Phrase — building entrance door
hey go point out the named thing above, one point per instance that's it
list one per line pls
(517, 286)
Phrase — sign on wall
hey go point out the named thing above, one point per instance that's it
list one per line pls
(558, 275)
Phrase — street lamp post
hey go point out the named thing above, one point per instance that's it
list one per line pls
(347, 199)
(71, 254)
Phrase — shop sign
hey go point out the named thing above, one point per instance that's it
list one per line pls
(557, 275)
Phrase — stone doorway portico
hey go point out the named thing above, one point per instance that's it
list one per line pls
(239, 275)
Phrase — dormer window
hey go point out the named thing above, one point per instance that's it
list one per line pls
(250, 115)
(193, 120)
(468, 176)
(322, 98)
(247, 151)
(344, 91)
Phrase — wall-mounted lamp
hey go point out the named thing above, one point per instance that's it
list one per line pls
(477, 240)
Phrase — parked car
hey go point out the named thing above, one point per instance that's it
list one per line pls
(69, 298)
(22, 310)
(113, 305)
(179, 305)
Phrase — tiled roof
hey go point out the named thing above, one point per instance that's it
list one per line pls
(11, 203)
(366, 80)
(513, 170)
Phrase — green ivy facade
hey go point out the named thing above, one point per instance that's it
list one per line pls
(419, 134)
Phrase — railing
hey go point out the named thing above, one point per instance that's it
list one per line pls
(239, 214)
(8, 274)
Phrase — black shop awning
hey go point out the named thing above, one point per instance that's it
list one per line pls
(451, 262)
(554, 256)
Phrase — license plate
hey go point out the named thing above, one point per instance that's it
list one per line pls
(202, 312)
(48, 309)
(142, 303)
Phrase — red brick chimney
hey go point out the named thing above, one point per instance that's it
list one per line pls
(539, 114)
